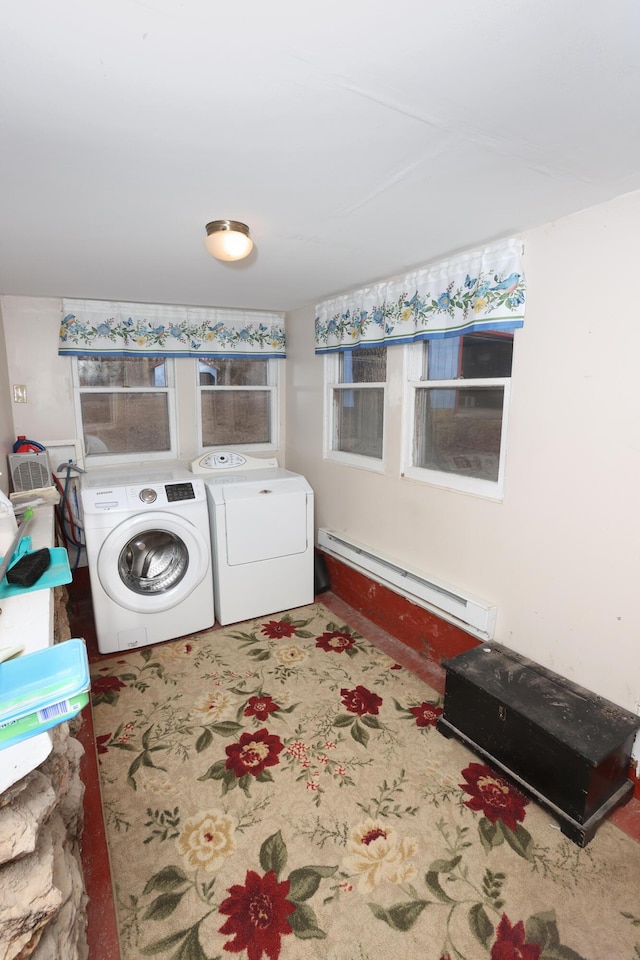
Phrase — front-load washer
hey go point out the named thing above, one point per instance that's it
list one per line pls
(261, 519)
(149, 555)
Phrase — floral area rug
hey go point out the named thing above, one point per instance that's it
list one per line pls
(278, 789)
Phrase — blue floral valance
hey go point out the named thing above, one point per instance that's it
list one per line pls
(98, 327)
(481, 290)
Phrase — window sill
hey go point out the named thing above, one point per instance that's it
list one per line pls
(353, 460)
(485, 489)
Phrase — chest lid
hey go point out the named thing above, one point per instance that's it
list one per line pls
(579, 718)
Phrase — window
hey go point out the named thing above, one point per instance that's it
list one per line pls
(355, 399)
(125, 406)
(238, 402)
(458, 400)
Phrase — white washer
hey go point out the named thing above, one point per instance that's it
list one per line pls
(149, 555)
(261, 520)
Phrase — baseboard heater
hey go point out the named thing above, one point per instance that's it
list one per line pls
(475, 616)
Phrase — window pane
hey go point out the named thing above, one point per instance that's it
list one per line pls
(443, 359)
(233, 373)
(235, 416)
(365, 365)
(358, 418)
(125, 422)
(487, 355)
(458, 430)
(122, 372)
(472, 356)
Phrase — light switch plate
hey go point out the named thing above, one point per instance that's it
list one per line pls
(19, 393)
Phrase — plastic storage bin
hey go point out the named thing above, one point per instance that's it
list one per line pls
(42, 689)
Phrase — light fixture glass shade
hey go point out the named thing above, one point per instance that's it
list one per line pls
(228, 240)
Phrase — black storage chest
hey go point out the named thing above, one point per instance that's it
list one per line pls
(564, 745)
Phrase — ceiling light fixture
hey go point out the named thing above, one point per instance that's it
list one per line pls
(228, 240)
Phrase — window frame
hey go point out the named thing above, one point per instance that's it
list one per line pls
(114, 459)
(332, 383)
(414, 380)
(272, 387)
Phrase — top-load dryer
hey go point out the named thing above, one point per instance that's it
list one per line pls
(261, 519)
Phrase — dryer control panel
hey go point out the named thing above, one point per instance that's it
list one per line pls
(218, 462)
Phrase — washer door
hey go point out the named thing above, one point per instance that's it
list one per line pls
(152, 562)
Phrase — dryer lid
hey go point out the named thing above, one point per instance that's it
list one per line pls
(265, 487)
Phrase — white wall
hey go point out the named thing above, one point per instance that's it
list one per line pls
(560, 555)
(6, 420)
(31, 326)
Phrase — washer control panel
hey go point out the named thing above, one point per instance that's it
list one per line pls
(179, 491)
(136, 498)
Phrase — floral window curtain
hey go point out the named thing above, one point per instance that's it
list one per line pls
(105, 328)
(481, 290)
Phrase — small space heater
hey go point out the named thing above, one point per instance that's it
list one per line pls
(29, 471)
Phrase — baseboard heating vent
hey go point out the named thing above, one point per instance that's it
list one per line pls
(475, 616)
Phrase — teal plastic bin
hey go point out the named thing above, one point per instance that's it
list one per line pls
(42, 689)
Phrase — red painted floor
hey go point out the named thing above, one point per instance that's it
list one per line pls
(102, 930)
(102, 927)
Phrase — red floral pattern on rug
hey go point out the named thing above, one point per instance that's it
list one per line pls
(101, 742)
(254, 752)
(277, 629)
(258, 914)
(426, 714)
(510, 943)
(361, 701)
(493, 795)
(103, 685)
(335, 641)
(260, 707)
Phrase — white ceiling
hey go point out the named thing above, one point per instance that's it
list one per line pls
(356, 138)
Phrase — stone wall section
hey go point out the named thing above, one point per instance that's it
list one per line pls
(42, 899)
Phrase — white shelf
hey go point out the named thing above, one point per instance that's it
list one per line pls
(27, 621)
